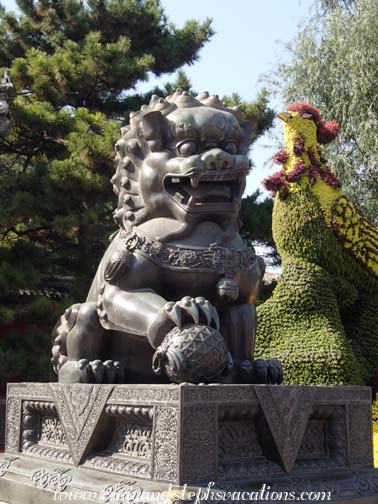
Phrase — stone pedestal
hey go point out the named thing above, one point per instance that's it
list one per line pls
(88, 442)
(2, 423)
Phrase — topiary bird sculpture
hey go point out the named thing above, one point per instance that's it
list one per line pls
(322, 319)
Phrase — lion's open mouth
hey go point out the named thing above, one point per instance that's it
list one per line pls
(206, 192)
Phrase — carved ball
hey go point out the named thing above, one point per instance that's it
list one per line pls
(195, 354)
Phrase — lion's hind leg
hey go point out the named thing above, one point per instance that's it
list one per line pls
(59, 336)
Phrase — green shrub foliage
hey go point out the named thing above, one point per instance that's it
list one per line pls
(322, 320)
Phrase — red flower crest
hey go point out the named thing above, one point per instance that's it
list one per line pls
(326, 132)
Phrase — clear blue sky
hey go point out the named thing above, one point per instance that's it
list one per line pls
(245, 46)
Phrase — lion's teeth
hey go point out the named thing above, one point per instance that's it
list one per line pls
(194, 181)
(179, 197)
(191, 202)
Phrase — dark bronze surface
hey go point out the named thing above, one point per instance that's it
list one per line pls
(177, 262)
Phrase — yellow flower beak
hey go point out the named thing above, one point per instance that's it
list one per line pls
(284, 116)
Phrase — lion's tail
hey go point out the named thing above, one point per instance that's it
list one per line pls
(59, 336)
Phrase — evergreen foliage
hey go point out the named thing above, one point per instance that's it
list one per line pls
(75, 65)
(303, 322)
(256, 225)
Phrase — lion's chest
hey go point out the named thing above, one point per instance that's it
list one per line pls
(193, 283)
(176, 270)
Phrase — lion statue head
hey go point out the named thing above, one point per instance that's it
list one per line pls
(182, 159)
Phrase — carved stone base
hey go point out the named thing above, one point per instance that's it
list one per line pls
(158, 438)
(2, 424)
(29, 481)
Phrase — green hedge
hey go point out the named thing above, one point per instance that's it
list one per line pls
(322, 319)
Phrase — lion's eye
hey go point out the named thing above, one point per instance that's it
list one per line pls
(231, 148)
(188, 148)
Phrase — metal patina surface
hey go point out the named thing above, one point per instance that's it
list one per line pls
(174, 295)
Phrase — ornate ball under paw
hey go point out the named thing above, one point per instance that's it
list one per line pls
(196, 353)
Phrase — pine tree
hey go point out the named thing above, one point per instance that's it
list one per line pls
(75, 66)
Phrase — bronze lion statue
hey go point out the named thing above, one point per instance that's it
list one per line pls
(174, 295)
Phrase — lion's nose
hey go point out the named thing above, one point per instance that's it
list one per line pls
(217, 159)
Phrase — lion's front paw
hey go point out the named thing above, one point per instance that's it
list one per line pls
(261, 371)
(84, 371)
(102, 372)
(179, 313)
(195, 310)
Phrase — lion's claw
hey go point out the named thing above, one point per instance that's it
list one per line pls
(215, 317)
(189, 306)
(187, 310)
(196, 309)
(206, 308)
(174, 313)
(100, 372)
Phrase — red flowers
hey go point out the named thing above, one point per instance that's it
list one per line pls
(296, 173)
(305, 108)
(326, 132)
(299, 146)
(311, 156)
(310, 162)
(329, 178)
(275, 182)
(280, 157)
(279, 181)
(312, 175)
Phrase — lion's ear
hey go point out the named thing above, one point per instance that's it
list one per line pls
(153, 127)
